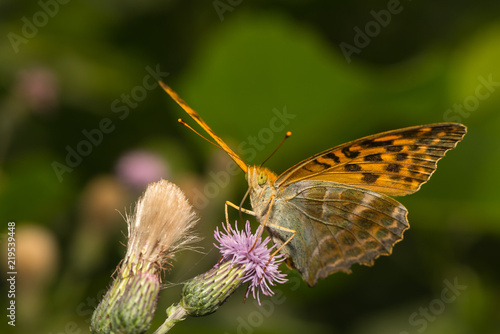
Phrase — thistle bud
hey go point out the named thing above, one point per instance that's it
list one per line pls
(159, 227)
(204, 294)
(128, 306)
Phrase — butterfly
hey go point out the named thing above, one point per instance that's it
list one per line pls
(334, 209)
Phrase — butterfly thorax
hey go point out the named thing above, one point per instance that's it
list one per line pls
(261, 184)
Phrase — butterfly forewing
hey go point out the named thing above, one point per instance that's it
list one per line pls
(336, 226)
(394, 163)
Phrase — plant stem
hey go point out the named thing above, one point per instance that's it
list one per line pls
(175, 313)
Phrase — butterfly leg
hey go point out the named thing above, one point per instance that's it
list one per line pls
(283, 245)
(277, 227)
(248, 212)
(263, 223)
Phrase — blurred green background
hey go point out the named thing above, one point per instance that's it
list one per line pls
(341, 70)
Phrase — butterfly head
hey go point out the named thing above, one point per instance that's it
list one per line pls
(261, 184)
(259, 177)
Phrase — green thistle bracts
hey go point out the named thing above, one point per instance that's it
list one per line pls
(204, 294)
(128, 306)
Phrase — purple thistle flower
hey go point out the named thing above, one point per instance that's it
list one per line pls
(261, 271)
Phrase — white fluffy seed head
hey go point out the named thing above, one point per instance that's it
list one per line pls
(160, 225)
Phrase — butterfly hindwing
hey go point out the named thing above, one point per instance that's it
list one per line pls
(394, 163)
(336, 226)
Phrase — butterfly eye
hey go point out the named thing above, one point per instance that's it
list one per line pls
(262, 178)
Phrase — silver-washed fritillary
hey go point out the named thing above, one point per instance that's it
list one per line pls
(333, 209)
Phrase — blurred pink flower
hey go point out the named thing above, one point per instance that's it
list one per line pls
(139, 168)
(38, 89)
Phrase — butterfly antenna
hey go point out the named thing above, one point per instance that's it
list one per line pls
(287, 135)
(194, 115)
(180, 120)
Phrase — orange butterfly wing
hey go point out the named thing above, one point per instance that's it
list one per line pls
(394, 163)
